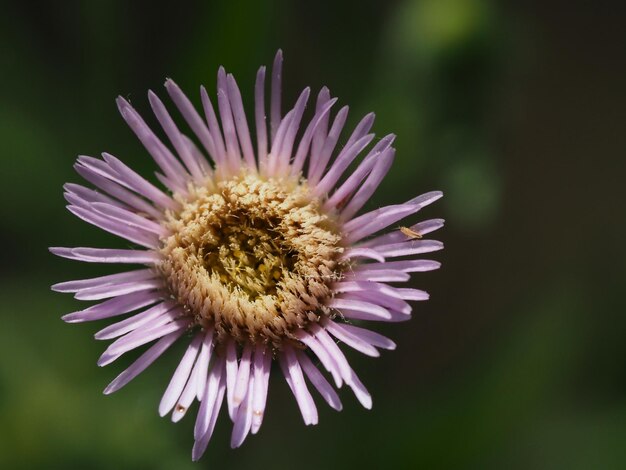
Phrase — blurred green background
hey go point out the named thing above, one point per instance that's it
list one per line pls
(516, 110)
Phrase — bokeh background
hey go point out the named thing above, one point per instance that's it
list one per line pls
(516, 110)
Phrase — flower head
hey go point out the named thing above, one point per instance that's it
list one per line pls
(255, 256)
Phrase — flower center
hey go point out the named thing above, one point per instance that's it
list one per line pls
(252, 257)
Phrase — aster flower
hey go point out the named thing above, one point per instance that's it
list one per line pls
(254, 256)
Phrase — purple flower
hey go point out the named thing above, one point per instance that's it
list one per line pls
(257, 256)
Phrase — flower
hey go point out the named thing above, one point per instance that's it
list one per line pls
(255, 257)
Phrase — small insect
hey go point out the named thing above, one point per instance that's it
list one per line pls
(412, 234)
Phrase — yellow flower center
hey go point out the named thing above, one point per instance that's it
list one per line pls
(252, 257)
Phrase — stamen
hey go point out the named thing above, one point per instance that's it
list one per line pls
(252, 257)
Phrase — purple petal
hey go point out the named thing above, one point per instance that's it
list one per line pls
(319, 382)
(341, 164)
(113, 307)
(422, 228)
(118, 192)
(241, 124)
(320, 162)
(231, 377)
(115, 290)
(351, 340)
(214, 128)
(143, 362)
(180, 377)
(194, 120)
(305, 141)
(213, 383)
(243, 419)
(352, 253)
(368, 336)
(228, 124)
(369, 186)
(170, 165)
(138, 338)
(295, 380)
(259, 117)
(200, 445)
(108, 255)
(351, 184)
(381, 275)
(203, 361)
(139, 184)
(128, 276)
(321, 354)
(340, 303)
(135, 321)
(407, 266)
(116, 228)
(376, 220)
(243, 375)
(262, 365)
(277, 75)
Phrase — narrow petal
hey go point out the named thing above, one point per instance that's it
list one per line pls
(407, 266)
(321, 354)
(352, 253)
(377, 220)
(231, 377)
(380, 151)
(192, 118)
(118, 278)
(214, 128)
(170, 165)
(351, 340)
(320, 163)
(120, 193)
(143, 362)
(305, 141)
(341, 303)
(213, 383)
(369, 186)
(108, 255)
(262, 365)
(114, 307)
(321, 131)
(319, 382)
(371, 337)
(380, 275)
(409, 248)
(243, 419)
(132, 323)
(241, 124)
(277, 76)
(180, 377)
(341, 164)
(423, 228)
(243, 375)
(228, 123)
(116, 228)
(259, 119)
(203, 361)
(209, 410)
(138, 338)
(139, 184)
(380, 298)
(286, 147)
(115, 290)
(293, 375)
(125, 217)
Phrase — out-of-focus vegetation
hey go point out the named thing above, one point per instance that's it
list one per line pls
(514, 110)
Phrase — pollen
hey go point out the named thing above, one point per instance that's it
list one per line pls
(252, 257)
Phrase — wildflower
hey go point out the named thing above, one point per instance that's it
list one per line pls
(257, 257)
